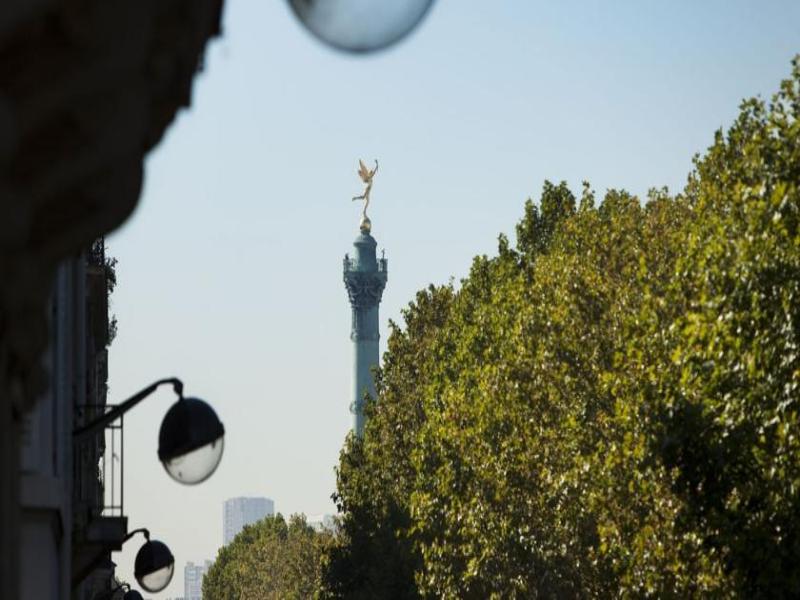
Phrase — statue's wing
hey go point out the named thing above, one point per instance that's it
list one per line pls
(363, 171)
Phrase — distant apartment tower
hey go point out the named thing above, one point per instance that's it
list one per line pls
(321, 523)
(238, 512)
(193, 580)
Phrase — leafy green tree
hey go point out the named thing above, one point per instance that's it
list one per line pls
(608, 408)
(502, 498)
(373, 555)
(269, 560)
(728, 409)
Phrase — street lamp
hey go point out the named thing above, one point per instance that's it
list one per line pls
(190, 441)
(360, 26)
(154, 564)
(191, 438)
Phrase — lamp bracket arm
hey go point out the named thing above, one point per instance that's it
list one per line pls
(112, 415)
(143, 530)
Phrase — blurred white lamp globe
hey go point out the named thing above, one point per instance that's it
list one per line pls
(190, 441)
(360, 25)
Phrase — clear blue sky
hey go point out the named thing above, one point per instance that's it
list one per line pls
(230, 269)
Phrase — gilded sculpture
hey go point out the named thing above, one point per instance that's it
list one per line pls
(366, 176)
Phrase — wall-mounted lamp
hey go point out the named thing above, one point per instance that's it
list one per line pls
(154, 565)
(191, 438)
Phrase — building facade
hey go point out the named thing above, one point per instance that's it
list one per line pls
(365, 278)
(238, 512)
(193, 580)
(68, 528)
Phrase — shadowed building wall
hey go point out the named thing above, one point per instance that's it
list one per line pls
(87, 88)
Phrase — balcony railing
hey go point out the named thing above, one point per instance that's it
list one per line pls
(104, 462)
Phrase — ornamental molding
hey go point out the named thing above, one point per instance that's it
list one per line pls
(364, 289)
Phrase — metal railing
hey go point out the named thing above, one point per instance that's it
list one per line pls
(106, 456)
(351, 264)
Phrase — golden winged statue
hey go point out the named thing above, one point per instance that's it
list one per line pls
(366, 176)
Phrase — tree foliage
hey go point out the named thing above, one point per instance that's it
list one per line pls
(609, 407)
(269, 560)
